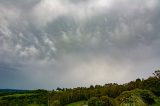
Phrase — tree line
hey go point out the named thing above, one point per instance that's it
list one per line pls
(106, 92)
(98, 95)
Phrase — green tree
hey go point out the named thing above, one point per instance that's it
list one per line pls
(55, 103)
(92, 101)
(147, 96)
(128, 98)
(107, 101)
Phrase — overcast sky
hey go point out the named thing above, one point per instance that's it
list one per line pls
(69, 43)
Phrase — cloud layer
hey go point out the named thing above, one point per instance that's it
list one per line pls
(50, 43)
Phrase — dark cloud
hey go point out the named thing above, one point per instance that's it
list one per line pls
(45, 44)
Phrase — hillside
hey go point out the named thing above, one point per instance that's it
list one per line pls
(135, 93)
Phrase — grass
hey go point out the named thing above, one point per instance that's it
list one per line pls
(80, 103)
(17, 95)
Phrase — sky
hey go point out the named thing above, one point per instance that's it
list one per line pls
(69, 43)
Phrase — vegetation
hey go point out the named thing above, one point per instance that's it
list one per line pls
(128, 98)
(80, 103)
(135, 93)
(102, 101)
(157, 103)
(37, 97)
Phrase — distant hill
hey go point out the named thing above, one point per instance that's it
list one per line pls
(11, 90)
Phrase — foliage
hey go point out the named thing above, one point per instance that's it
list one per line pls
(128, 98)
(107, 101)
(157, 103)
(35, 98)
(147, 96)
(92, 101)
(138, 92)
(55, 103)
(80, 103)
(102, 101)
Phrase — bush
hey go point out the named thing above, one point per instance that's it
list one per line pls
(107, 101)
(147, 96)
(102, 101)
(92, 101)
(129, 98)
(55, 103)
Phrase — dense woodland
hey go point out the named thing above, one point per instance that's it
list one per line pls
(141, 92)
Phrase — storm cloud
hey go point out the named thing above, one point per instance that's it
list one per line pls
(69, 43)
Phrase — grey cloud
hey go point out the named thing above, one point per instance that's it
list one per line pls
(45, 44)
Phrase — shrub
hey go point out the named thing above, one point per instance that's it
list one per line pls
(92, 101)
(55, 103)
(128, 98)
(107, 101)
(147, 96)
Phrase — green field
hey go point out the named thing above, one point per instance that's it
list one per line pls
(17, 95)
(80, 103)
(34, 98)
